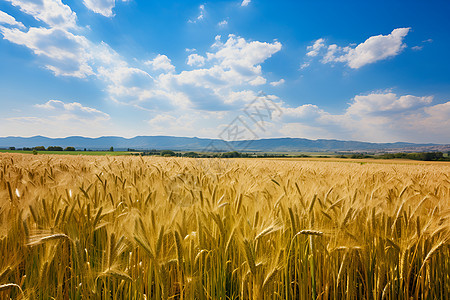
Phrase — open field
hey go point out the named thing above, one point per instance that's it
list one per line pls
(106, 227)
(395, 161)
(70, 152)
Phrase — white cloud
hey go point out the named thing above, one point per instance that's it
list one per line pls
(418, 48)
(73, 110)
(374, 49)
(134, 86)
(10, 20)
(259, 80)
(241, 97)
(62, 52)
(56, 118)
(376, 117)
(126, 77)
(196, 60)
(232, 66)
(302, 114)
(382, 103)
(222, 23)
(68, 54)
(246, 2)
(304, 65)
(221, 79)
(316, 47)
(161, 62)
(241, 56)
(277, 83)
(52, 12)
(102, 7)
(201, 16)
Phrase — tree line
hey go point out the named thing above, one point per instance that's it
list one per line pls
(42, 148)
(52, 148)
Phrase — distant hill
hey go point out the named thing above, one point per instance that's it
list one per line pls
(201, 144)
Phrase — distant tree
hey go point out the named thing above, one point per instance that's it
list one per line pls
(85, 149)
(232, 154)
(39, 148)
(167, 153)
(190, 154)
(55, 148)
(12, 148)
(69, 149)
(35, 152)
(111, 149)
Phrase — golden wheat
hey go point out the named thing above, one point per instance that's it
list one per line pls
(178, 228)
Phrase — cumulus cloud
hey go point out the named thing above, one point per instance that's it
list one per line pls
(196, 60)
(222, 79)
(277, 83)
(161, 62)
(102, 7)
(10, 20)
(315, 48)
(259, 80)
(52, 12)
(304, 112)
(376, 117)
(231, 66)
(374, 49)
(134, 86)
(69, 54)
(73, 110)
(237, 53)
(382, 103)
(62, 52)
(246, 2)
(126, 81)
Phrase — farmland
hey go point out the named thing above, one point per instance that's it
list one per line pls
(69, 152)
(86, 227)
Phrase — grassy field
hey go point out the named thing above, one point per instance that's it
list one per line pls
(106, 227)
(70, 152)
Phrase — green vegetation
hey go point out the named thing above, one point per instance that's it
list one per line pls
(54, 148)
(191, 154)
(428, 156)
(424, 156)
(68, 152)
(167, 153)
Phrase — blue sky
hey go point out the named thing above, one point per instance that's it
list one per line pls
(355, 70)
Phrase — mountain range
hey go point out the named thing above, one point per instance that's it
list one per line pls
(211, 145)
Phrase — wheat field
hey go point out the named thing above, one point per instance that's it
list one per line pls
(178, 228)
